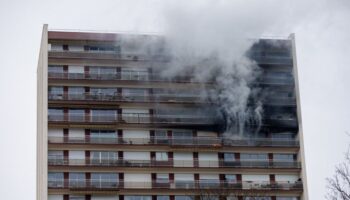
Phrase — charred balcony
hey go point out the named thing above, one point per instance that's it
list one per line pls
(132, 118)
(119, 97)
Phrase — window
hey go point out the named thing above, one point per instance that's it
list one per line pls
(55, 179)
(283, 136)
(162, 178)
(103, 115)
(76, 115)
(55, 157)
(103, 48)
(257, 198)
(210, 197)
(103, 136)
(231, 198)
(56, 92)
(183, 198)
(104, 91)
(56, 47)
(283, 157)
(55, 197)
(76, 72)
(134, 74)
(182, 137)
(230, 178)
(163, 198)
(229, 157)
(76, 93)
(284, 160)
(258, 156)
(161, 137)
(74, 197)
(135, 94)
(76, 180)
(286, 198)
(137, 197)
(55, 70)
(104, 197)
(55, 114)
(104, 73)
(103, 157)
(104, 180)
(162, 156)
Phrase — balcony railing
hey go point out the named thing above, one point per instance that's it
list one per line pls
(121, 76)
(127, 97)
(288, 101)
(273, 60)
(270, 80)
(100, 184)
(132, 118)
(57, 161)
(213, 142)
(114, 55)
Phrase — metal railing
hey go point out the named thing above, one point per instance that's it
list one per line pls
(271, 80)
(121, 76)
(107, 54)
(273, 60)
(133, 118)
(213, 142)
(280, 101)
(56, 161)
(126, 97)
(100, 184)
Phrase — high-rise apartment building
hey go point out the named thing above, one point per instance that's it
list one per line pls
(111, 127)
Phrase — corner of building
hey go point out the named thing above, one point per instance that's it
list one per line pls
(305, 195)
(41, 182)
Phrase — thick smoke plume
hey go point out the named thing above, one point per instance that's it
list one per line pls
(211, 41)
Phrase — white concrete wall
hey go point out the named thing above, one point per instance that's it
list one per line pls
(41, 180)
(305, 195)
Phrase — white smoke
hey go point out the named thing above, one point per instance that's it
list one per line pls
(211, 40)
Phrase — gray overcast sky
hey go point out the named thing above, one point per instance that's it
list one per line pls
(323, 36)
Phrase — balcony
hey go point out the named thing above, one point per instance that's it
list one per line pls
(106, 55)
(204, 142)
(100, 184)
(273, 60)
(52, 161)
(152, 98)
(275, 80)
(132, 118)
(121, 76)
(280, 101)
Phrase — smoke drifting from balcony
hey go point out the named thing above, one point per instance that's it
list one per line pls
(211, 41)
